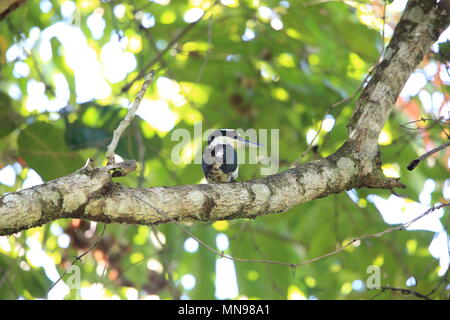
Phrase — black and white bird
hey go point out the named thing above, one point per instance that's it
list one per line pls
(219, 161)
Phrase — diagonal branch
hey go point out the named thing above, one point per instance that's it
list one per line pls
(419, 27)
(8, 6)
(405, 291)
(169, 46)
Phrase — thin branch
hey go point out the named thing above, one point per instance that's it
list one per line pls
(282, 263)
(208, 51)
(442, 281)
(383, 30)
(130, 115)
(445, 101)
(336, 221)
(270, 234)
(436, 121)
(358, 90)
(5, 278)
(166, 266)
(395, 193)
(413, 164)
(171, 73)
(201, 242)
(444, 278)
(269, 271)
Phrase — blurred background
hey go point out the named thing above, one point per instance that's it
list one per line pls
(70, 69)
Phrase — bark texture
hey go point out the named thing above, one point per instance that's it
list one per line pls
(90, 193)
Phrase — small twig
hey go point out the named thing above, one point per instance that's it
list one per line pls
(141, 154)
(348, 99)
(443, 280)
(342, 101)
(409, 223)
(377, 294)
(413, 164)
(78, 258)
(130, 115)
(268, 270)
(171, 74)
(398, 194)
(383, 30)
(405, 291)
(436, 121)
(208, 51)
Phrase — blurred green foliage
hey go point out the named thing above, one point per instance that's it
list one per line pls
(236, 68)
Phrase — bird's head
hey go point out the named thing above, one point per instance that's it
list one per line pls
(231, 137)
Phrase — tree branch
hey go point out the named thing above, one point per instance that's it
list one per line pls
(419, 27)
(129, 117)
(413, 164)
(8, 6)
(405, 291)
(90, 193)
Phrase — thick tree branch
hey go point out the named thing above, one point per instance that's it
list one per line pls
(90, 193)
(129, 117)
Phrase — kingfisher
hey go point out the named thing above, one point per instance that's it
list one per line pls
(219, 161)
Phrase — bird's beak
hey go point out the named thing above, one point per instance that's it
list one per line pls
(242, 142)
